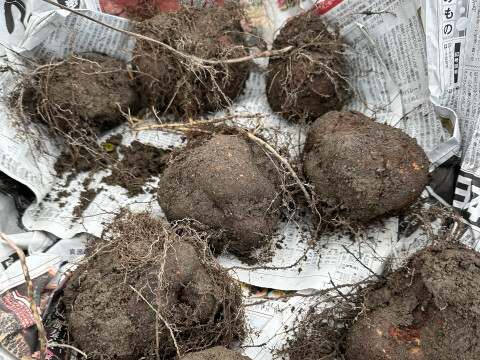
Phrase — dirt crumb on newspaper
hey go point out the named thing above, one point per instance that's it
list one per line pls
(363, 169)
(139, 163)
(216, 353)
(175, 273)
(186, 87)
(230, 185)
(428, 309)
(310, 80)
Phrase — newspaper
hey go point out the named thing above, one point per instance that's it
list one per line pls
(398, 78)
(58, 217)
(390, 87)
(452, 30)
(333, 258)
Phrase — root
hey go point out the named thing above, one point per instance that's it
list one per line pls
(135, 123)
(192, 58)
(195, 302)
(161, 318)
(282, 160)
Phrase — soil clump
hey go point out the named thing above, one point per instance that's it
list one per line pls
(310, 80)
(216, 353)
(86, 198)
(363, 170)
(94, 158)
(226, 183)
(80, 97)
(181, 86)
(140, 163)
(428, 309)
(175, 273)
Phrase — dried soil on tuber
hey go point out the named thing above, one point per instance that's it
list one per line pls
(79, 97)
(362, 169)
(310, 80)
(185, 87)
(174, 271)
(429, 309)
(227, 183)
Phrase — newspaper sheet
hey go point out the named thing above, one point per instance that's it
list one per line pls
(390, 85)
(452, 30)
(270, 334)
(333, 258)
(392, 79)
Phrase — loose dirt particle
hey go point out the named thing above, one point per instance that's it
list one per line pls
(140, 163)
(86, 198)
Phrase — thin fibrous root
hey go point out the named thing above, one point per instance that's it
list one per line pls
(192, 58)
(134, 121)
(54, 344)
(161, 318)
(281, 159)
(250, 135)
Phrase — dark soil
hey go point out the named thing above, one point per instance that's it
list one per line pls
(175, 84)
(228, 184)
(86, 198)
(216, 353)
(310, 80)
(140, 163)
(80, 96)
(174, 271)
(429, 309)
(92, 158)
(362, 169)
